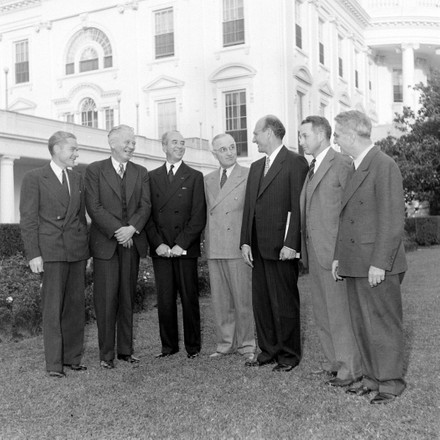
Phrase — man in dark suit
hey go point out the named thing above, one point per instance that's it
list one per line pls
(320, 207)
(54, 232)
(118, 202)
(271, 242)
(370, 256)
(178, 218)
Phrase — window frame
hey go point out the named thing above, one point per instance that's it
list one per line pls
(240, 133)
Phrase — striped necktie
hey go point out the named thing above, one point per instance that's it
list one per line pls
(267, 165)
(224, 178)
(312, 169)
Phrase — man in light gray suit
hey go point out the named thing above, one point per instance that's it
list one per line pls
(230, 277)
(320, 207)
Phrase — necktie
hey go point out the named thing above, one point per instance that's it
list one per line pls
(224, 178)
(312, 169)
(267, 165)
(171, 174)
(64, 182)
(121, 171)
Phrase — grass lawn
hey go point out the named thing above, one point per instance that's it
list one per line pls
(179, 398)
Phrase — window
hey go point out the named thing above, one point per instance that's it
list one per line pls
(166, 116)
(298, 28)
(164, 38)
(397, 85)
(89, 59)
(22, 61)
(89, 114)
(321, 41)
(109, 118)
(300, 111)
(356, 69)
(340, 57)
(236, 121)
(233, 22)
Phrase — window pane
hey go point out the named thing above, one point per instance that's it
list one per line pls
(164, 38)
(21, 61)
(236, 121)
(298, 36)
(233, 22)
(166, 116)
(89, 114)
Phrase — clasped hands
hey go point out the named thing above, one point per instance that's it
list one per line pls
(285, 254)
(375, 274)
(165, 251)
(124, 235)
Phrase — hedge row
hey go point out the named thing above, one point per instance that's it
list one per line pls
(10, 240)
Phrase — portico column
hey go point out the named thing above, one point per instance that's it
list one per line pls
(408, 73)
(7, 193)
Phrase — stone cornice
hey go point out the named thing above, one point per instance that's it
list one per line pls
(356, 10)
(410, 22)
(14, 5)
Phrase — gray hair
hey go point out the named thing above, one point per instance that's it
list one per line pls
(356, 121)
(166, 134)
(118, 128)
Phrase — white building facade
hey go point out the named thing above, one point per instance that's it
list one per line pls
(202, 67)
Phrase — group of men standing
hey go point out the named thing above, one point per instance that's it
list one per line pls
(343, 217)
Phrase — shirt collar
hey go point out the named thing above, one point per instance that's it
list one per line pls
(361, 156)
(116, 164)
(320, 157)
(228, 170)
(176, 166)
(274, 154)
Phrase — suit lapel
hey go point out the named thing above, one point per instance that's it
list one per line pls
(359, 176)
(170, 189)
(111, 177)
(322, 170)
(54, 186)
(131, 175)
(274, 169)
(74, 195)
(213, 184)
(233, 181)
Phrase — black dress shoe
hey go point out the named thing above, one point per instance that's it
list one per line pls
(192, 355)
(108, 365)
(358, 391)
(382, 398)
(336, 382)
(76, 367)
(257, 363)
(324, 373)
(164, 355)
(57, 374)
(128, 358)
(284, 367)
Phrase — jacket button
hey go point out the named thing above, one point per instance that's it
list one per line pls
(352, 240)
(351, 221)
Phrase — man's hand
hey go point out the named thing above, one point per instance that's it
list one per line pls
(36, 264)
(246, 252)
(335, 266)
(176, 251)
(287, 253)
(124, 233)
(163, 250)
(128, 244)
(375, 276)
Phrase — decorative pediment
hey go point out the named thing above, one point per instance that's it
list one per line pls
(22, 105)
(163, 82)
(232, 71)
(344, 99)
(325, 88)
(302, 73)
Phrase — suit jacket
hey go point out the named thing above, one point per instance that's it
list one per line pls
(52, 225)
(225, 213)
(321, 206)
(178, 210)
(268, 204)
(104, 205)
(372, 219)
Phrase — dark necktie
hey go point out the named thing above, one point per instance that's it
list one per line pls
(121, 171)
(224, 178)
(312, 169)
(171, 174)
(64, 182)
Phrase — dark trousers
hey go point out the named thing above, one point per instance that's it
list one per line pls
(114, 293)
(376, 315)
(63, 313)
(178, 275)
(276, 305)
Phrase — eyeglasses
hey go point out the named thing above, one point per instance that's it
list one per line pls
(226, 149)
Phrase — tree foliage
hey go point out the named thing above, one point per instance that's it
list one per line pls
(417, 151)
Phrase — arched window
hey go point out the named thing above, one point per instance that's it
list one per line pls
(89, 49)
(89, 114)
(88, 60)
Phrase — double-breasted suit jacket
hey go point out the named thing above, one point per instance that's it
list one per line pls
(370, 234)
(320, 208)
(112, 203)
(230, 277)
(178, 218)
(53, 226)
(270, 201)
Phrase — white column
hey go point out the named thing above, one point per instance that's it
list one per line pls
(408, 73)
(7, 193)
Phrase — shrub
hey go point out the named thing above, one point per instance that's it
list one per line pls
(10, 240)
